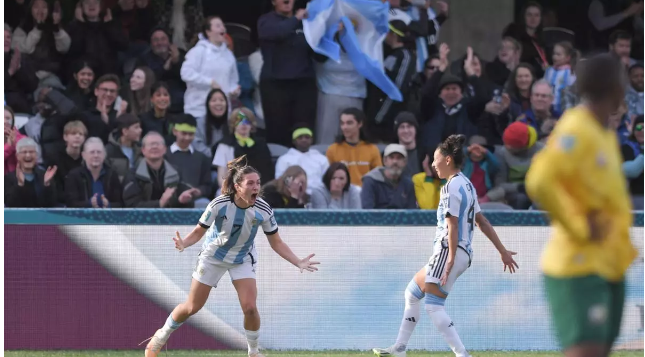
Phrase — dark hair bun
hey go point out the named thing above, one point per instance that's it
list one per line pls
(456, 141)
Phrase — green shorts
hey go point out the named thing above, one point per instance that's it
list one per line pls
(585, 309)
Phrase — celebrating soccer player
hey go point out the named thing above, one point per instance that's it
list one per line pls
(230, 223)
(577, 179)
(457, 214)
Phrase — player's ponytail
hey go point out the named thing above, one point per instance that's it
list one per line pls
(453, 146)
(236, 169)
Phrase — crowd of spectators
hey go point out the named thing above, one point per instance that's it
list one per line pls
(133, 104)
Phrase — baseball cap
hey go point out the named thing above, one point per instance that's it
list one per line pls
(395, 148)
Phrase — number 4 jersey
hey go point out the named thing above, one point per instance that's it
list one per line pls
(458, 199)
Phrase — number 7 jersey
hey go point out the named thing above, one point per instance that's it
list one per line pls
(458, 199)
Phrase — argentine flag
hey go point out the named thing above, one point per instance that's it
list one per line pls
(366, 24)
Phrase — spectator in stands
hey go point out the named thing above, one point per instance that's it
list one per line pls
(508, 57)
(213, 127)
(210, 64)
(520, 145)
(154, 182)
(41, 38)
(242, 141)
(185, 18)
(418, 82)
(541, 111)
(386, 187)
(11, 138)
(620, 44)
(138, 92)
(193, 166)
(165, 59)
(337, 192)
(427, 184)
(159, 118)
(101, 119)
(406, 128)
(480, 166)
(621, 123)
(247, 82)
(570, 97)
(608, 17)
(80, 89)
(495, 119)
(352, 148)
(123, 150)
(561, 75)
(634, 97)
(93, 184)
(20, 79)
(518, 88)
(632, 151)
(136, 19)
(97, 37)
(340, 87)
(529, 33)
(400, 67)
(29, 186)
(68, 156)
(288, 80)
(312, 161)
(470, 69)
(288, 190)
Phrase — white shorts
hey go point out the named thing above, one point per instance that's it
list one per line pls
(437, 263)
(209, 270)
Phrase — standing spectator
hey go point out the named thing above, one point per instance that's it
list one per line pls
(101, 119)
(154, 182)
(138, 91)
(406, 127)
(634, 97)
(480, 166)
(288, 190)
(288, 81)
(41, 38)
(337, 192)
(213, 127)
(400, 67)
(68, 156)
(193, 166)
(96, 37)
(184, 18)
(418, 82)
(529, 33)
(427, 184)
(386, 187)
(541, 112)
(518, 88)
(609, 16)
(136, 19)
(20, 79)
(159, 118)
(210, 64)
(312, 161)
(29, 186)
(340, 87)
(632, 151)
(165, 59)
(123, 150)
(560, 75)
(11, 137)
(351, 147)
(242, 141)
(570, 97)
(620, 44)
(93, 184)
(508, 57)
(80, 89)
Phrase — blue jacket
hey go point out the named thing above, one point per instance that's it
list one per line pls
(489, 164)
(528, 117)
(377, 193)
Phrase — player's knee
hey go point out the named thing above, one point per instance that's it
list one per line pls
(413, 293)
(249, 308)
(434, 303)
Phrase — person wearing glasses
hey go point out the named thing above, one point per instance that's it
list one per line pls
(101, 119)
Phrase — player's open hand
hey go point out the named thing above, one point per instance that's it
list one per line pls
(509, 262)
(446, 271)
(179, 243)
(307, 264)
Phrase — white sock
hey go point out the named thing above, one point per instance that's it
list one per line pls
(252, 339)
(443, 322)
(169, 327)
(411, 315)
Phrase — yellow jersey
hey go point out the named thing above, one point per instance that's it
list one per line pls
(578, 172)
(427, 190)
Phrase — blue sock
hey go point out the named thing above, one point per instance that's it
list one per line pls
(171, 324)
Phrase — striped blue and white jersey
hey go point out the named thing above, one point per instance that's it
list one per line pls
(458, 199)
(231, 230)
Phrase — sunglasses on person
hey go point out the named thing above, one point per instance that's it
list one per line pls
(638, 127)
(432, 68)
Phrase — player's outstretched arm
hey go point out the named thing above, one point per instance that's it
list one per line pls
(192, 238)
(489, 232)
(285, 252)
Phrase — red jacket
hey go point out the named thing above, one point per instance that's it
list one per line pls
(10, 160)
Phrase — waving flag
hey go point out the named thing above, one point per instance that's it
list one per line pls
(366, 24)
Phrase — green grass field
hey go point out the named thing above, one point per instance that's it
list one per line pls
(286, 354)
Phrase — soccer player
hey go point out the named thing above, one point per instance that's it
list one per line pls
(230, 223)
(577, 179)
(457, 214)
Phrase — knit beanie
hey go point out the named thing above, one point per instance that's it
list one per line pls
(519, 136)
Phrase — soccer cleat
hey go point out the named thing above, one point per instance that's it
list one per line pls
(156, 344)
(383, 352)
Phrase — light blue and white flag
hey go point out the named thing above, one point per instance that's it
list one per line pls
(366, 24)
